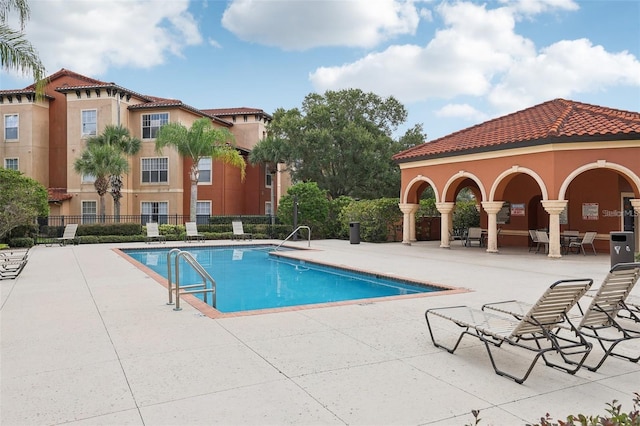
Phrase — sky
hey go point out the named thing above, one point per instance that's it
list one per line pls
(452, 64)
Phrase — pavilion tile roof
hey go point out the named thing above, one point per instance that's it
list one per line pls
(554, 121)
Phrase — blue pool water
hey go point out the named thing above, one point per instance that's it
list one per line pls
(249, 278)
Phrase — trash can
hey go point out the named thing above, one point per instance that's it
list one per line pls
(622, 247)
(354, 232)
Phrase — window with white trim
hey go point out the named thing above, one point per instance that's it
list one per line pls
(203, 212)
(88, 178)
(11, 122)
(151, 123)
(11, 163)
(155, 170)
(89, 211)
(89, 122)
(267, 208)
(155, 211)
(267, 177)
(204, 167)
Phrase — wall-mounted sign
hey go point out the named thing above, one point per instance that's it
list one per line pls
(517, 209)
(589, 211)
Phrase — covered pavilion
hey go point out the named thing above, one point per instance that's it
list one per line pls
(560, 165)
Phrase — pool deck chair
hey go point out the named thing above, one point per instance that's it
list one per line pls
(10, 268)
(608, 319)
(238, 231)
(153, 233)
(474, 234)
(587, 240)
(192, 232)
(69, 234)
(534, 332)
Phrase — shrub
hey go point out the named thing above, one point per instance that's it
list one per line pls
(21, 242)
(313, 208)
(377, 218)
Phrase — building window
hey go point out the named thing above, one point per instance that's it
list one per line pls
(11, 163)
(89, 122)
(155, 170)
(88, 178)
(153, 211)
(203, 212)
(267, 177)
(89, 211)
(11, 122)
(245, 118)
(267, 208)
(204, 165)
(151, 123)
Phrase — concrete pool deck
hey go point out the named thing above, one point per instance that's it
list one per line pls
(87, 339)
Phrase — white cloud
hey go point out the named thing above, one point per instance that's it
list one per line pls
(479, 53)
(301, 25)
(562, 70)
(464, 111)
(462, 59)
(90, 36)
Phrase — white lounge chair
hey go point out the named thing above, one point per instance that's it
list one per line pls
(533, 332)
(238, 231)
(192, 232)
(543, 241)
(153, 233)
(69, 234)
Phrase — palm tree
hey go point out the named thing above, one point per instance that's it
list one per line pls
(101, 161)
(200, 141)
(120, 138)
(270, 151)
(16, 52)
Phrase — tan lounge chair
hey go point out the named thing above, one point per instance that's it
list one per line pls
(69, 234)
(192, 232)
(474, 234)
(600, 321)
(533, 332)
(153, 233)
(238, 231)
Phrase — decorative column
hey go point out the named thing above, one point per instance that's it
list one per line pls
(635, 202)
(492, 208)
(408, 222)
(446, 220)
(554, 208)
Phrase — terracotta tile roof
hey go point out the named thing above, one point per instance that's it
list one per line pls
(155, 102)
(221, 112)
(58, 194)
(554, 121)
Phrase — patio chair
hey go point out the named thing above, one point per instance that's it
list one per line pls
(238, 231)
(533, 332)
(69, 234)
(474, 234)
(534, 239)
(192, 232)
(153, 233)
(601, 320)
(588, 239)
(543, 241)
(6, 255)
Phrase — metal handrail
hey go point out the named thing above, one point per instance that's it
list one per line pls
(194, 288)
(293, 233)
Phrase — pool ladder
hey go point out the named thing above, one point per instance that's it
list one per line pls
(294, 233)
(174, 257)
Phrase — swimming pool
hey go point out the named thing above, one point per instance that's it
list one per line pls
(252, 278)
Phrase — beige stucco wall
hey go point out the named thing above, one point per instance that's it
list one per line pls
(32, 146)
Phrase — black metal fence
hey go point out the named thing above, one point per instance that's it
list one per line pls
(174, 219)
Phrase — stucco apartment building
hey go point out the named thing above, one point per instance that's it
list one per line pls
(43, 138)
